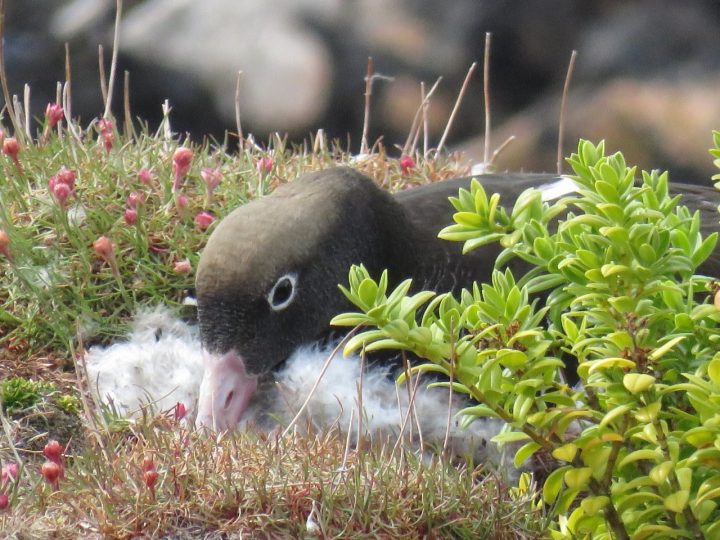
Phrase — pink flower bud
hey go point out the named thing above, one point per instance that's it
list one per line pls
(182, 267)
(11, 147)
(61, 192)
(145, 176)
(53, 114)
(103, 246)
(52, 472)
(4, 502)
(180, 411)
(407, 164)
(9, 471)
(131, 216)
(182, 201)
(150, 478)
(54, 451)
(5, 244)
(182, 160)
(204, 220)
(66, 176)
(148, 464)
(135, 199)
(105, 125)
(265, 165)
(108, 140)
(212, 178)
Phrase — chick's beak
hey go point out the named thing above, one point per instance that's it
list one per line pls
(225, 391)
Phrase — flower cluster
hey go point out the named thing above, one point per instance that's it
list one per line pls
(53, 470)
(62, 185)
(9, 475)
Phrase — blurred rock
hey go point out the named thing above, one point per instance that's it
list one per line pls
(304, 63)
(657, 124)
(647, 82)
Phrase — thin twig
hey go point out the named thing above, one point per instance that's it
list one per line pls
(563, 104)
(129, 128)
(238, 125)
(28, 119)
(3, 74)
(456, 107)
(67, 101)
(499, 150)
(67, 97)
(19, 116)
(319, 378)
(486, 95)
(426, 131)
(361, 380)
(346, 452)
(58, 100)
(113, 62)
(416, 384)
(421, 110)
(101, 71)
(404, 421)
(453, 361)
(366, 117)
(167, 130)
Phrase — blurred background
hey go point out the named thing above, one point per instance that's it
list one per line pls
(647, 77)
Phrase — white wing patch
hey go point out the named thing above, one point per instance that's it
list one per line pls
(557, 189)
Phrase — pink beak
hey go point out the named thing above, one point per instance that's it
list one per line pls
(225, 391)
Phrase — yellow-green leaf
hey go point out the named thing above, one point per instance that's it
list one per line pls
(665, 348)
(649, 413)
(607, 363)
(578, 478)
(566, 452)
(677, 501)
(714, 370)
(637, 455)
(553, 484)
(659, 473)
(638, 382)
(593, 505)
(525, 452)
(614, 413)
(684, 476)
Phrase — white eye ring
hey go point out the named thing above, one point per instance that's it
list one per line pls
(283, 292)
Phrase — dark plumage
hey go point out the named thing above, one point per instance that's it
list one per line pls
(267, 279)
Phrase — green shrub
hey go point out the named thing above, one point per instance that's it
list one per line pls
(18, 393)
(639, 440)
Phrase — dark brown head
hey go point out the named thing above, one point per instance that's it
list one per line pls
(267, 279)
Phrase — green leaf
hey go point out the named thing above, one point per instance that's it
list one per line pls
(649, 412)
(349, 319)
(512, 358)
(638, 382)
(578, 478)
(665, 348)
(642, 454)
(607, 363)
(566, 452)
(593, 505)
(525, 452)
(366, 293)
(510, 436)
(713, 370)
(553, 484)
(614, 413)
(677, 501)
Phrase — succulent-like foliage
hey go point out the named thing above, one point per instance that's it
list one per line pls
(638, 441)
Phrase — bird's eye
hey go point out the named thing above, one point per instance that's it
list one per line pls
(282, 293)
